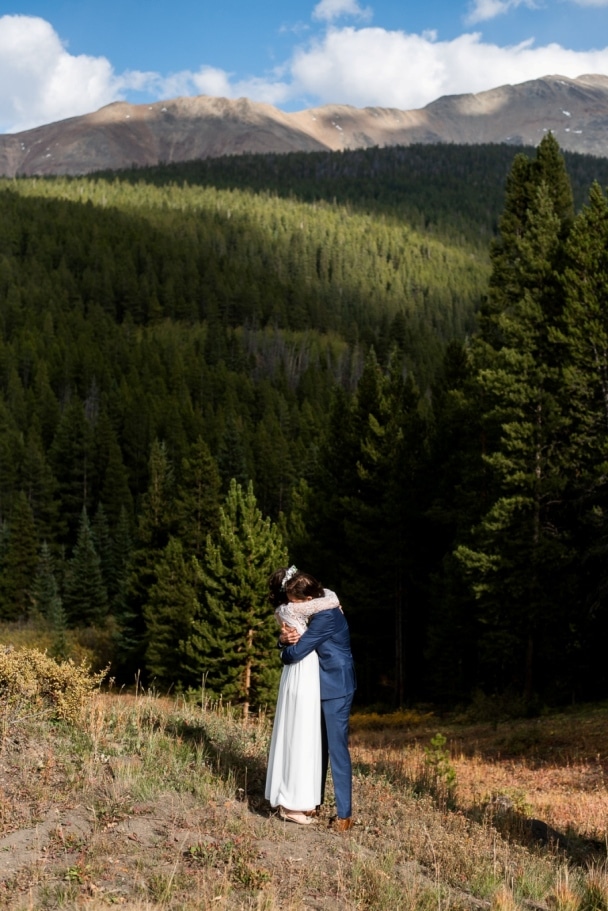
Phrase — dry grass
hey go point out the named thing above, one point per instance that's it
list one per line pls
(553, 769)
(151, 804)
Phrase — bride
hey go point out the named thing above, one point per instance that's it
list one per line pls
(293, 779)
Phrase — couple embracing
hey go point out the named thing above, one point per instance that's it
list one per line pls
(315, 696)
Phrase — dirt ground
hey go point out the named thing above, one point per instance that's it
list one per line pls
(80, 827)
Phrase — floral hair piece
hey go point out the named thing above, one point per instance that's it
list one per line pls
(289, 573)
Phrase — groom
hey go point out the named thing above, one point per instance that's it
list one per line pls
(328, 635)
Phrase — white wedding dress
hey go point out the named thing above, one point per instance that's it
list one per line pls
(293, 779)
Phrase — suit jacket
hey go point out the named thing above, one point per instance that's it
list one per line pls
(328, 635)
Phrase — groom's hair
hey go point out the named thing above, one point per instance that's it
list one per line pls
(300, 586)
(303, 585)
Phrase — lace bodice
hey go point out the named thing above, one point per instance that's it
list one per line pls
(297, 613)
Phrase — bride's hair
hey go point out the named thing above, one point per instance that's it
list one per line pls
(299, 585)
(276, 593)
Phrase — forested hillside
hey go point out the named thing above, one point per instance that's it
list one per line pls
(209, 369)
(455, 192)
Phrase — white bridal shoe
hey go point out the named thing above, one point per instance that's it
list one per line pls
(297, 816)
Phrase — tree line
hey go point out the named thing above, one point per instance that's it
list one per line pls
(202, 377)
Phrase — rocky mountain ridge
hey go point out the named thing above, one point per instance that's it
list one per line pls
(121, 135)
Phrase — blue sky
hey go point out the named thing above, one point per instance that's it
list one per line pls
(59, 58)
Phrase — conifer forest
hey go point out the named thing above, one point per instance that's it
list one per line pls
(389, 367)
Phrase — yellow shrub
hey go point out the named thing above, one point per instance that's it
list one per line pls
(33, 678)
(404, 718)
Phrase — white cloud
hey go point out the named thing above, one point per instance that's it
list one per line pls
(207, 81)
(218, 83)
(482, 10)
(210, 81)
(41, 81)
(329, 10)
(374, 67)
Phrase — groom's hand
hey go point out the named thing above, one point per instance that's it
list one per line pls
(289, 635)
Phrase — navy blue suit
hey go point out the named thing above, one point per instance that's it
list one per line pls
(328, 635)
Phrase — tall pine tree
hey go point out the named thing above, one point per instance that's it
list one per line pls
(232, 643)
(581, 337)
(157, 522)
(19, 562)
(169, 613)
(198, 498)
(517, 554)
(85, 598)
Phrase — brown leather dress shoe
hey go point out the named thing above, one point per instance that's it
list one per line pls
(341, 825)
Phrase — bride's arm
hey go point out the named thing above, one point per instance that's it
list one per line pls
(329, 601)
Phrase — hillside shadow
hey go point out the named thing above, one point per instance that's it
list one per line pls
(450, 191)
(422, 183)
(500, 813)
(229, 759)
(248, 262)
(532, 833)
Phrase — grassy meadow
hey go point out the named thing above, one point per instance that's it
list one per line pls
(150, 802)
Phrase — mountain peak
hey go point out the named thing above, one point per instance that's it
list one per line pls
(121, 134)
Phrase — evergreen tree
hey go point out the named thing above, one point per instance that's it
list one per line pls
(115, 491)
(324, 546)
(85, 599)
(581, 337)
(116, 331)
(19, 563)
(198, 499)
(274, 465)
(122, 609)
(45, 588)
(382, 523)
(11, 444)
(58, 623)
(157, 516)
(169, 613)
(232, 456)
(47, 602)
(71, 460)
(102, 541)
(47, 407)
(517, 556)
(455, 478)
(233, 638)
(156, 524)
(40, 485)
(4, 538)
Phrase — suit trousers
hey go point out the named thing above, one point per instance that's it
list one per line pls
(335, 714)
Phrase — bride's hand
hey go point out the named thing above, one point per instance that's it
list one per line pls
(289, 635)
